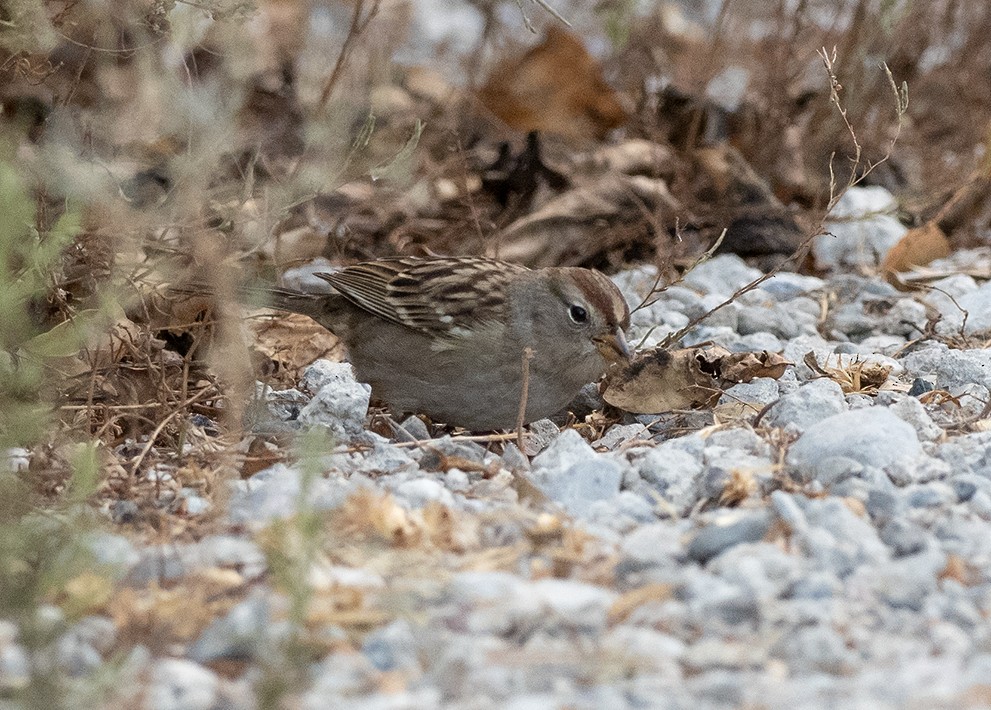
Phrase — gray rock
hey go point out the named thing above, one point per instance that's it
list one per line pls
(340, 404)
(756, 342)
(382, 457)
(935, 494)
(412, 428)
(946, 293)
(921, 469)
(726, 530)
(980, 503)
(861, 229)
(323, 372)
(588, 399)
(622, 512)
(565, 451)
(873, 437)
(772, 318)
(758, 392)
(965, 485)
(540, 435)
(579, 486)
(816, 648)
(652, 545)
(113, 552)
(709, 654)
(720, 316)
(192, 503)
(674, 473)
(906, 582)
(283, 405)
(420, 491)
(808, 405)
(949, 368)
(975, 316)
(903, 537)
(836, 539)
(907, 317)
(15, 667)
(818, 584)
(620, 434)
(513, 459)
(577, 605)
(787, 285)
(761, 568)
(339, 678)
(237, 636)
(392, 648)
(177, 684)
(721, 275)
(275, 493)
(76, 655)
(912, 411)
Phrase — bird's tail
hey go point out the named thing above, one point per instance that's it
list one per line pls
(282, 299)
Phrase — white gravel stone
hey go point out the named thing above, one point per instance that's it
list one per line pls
(808, 405)
(177, 684)
(862, 229)
(341, 402)
(873, 437)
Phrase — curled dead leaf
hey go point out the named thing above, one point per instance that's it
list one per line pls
(744, 367)
(918, 247)
(662, 381)
(554, 87)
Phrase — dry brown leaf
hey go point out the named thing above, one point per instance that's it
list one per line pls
(294, 341)
(738, 487)
(959, 570)
(562, 231)
(630, 601)
(744, 367)
(554, 87)
(371, 513)
(662, 381)
(918, 247)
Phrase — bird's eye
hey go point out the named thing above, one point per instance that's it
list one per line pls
(578, 314)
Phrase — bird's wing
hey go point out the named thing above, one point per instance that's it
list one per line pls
(431, 295)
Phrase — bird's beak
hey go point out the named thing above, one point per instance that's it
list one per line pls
(613, 347)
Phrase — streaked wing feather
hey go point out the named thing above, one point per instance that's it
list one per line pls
(431, 295)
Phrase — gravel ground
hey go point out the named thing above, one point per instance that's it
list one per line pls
(838, 554)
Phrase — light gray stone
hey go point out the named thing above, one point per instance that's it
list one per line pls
(674, 473)
(721, 275)
(726, 530)
(393, 647)
(236, 636)
(872, 437)
(787, 285)
(178, 684)
(340, 404)
(949, 368)
(759, 392)
(420, 491)
(861, 229)
(579, 486)
(808, 405)
(565, 451)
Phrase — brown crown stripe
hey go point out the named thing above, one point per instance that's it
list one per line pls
(604, 296)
